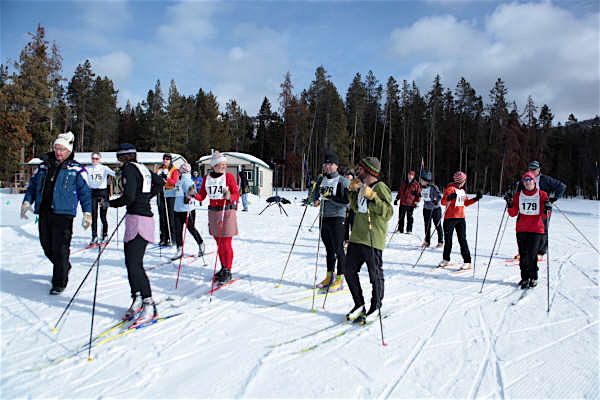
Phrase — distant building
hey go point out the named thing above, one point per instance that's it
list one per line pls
(258, 172)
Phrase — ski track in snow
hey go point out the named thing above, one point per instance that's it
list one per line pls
(256, 340)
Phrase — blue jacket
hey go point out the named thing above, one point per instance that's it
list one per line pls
(182, 187)
(70, 187)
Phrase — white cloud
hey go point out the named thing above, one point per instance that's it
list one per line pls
(188, 23)
(538, 49)
(117, 66)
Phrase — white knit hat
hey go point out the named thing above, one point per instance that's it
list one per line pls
(65, 139)
(217, 158)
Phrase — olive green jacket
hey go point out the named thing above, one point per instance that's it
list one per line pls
(380, 211)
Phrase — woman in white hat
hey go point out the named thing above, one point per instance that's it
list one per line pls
(222, 191)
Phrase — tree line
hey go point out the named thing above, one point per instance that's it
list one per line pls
(442, 129)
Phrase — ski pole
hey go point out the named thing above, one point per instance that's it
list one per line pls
(212, 283)
(493, 247)
(476, 234)
(501, 237)
(187, 215)
(313, 224)
(383, 343)
(168, 215)
(55, 328)
(317, 258)
(577, 229)
(548, 268)
(292, 248)
(94, 308)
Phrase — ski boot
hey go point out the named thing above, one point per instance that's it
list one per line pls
(465, 267)
(361, 319)
(338, 284)
(443, 264)
(56, 290)
(147, 314)
(524, 283)
(357, 310)
(532, 283)
(178, 254)
(439, 245)
(201, 249)
(104, 238)
(134, 308)
(325, 282)
(224, 277)
(94, 241)
(424, 244)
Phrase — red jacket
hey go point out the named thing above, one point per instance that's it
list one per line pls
(231, 185)
(405, 195)
(455, 208)
(528, 207)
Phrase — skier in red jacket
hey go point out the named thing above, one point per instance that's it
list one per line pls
(531, 206)
(409, 195)
(455, 199)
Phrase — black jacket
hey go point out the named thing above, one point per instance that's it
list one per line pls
(137, 202)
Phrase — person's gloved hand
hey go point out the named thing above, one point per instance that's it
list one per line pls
(86, 222)
(548, 207)
(355, 185)
(369, 193)
(553, 199)
(451, 196)
(25, 207)
(226, 193)
(396, 202)
(479, 195)
(509, 200)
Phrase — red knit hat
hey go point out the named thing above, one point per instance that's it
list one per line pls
(460, 177)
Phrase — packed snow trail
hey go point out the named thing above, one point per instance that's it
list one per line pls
(256, 340)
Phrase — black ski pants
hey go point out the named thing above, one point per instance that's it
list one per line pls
(435, 215)
(357, 255)
(180, 225)
(458, 224)
(55, 237)
(166, 217)
(332, 234)
(543, 249)
(99, 200)
(529, 243)
(134, 261)
(408, 211)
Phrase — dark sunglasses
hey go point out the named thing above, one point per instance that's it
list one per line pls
(527, 179)
(95, 158)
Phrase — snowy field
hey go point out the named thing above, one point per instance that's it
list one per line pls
(444, 338)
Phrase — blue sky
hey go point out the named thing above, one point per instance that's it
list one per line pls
(242, 50)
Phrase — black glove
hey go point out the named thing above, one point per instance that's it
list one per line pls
(509, 202)
(548, 207)
(163, 175)
(479, 195)
(451, 197)
(396, 202)
(508, 196)
(553, 199)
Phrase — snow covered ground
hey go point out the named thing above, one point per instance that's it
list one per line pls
(444, 339)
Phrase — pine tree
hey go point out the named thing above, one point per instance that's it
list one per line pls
(356, 104)
(79, 94)
(103, 115)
